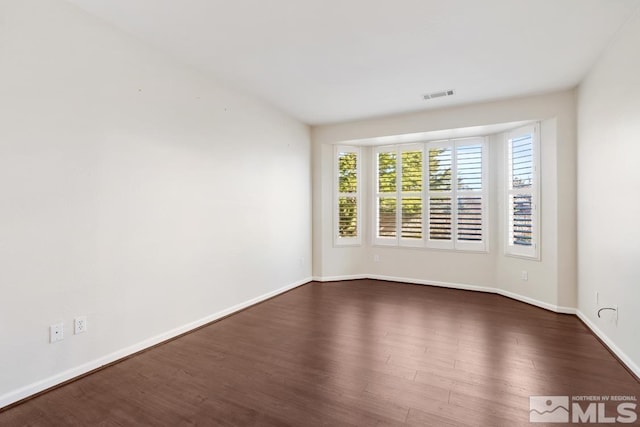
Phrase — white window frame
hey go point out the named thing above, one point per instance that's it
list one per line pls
(383, 240)
(403, 241)
(511, 249)
(439, 244)
(337, 239)
(455, 193)
(425, 194)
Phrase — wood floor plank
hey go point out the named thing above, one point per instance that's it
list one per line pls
(353, 353)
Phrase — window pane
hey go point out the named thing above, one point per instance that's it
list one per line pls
(520, 219)
(440, 160)
(387, 217)
(347, 217)
(411, 218)
(521, 160)
(440, 218)
(470, 219)
(469, 166)
(347, 172)
(386, 172)
(412, 171)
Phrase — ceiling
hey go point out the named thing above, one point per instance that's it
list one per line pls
(437, 135)
(325, 61)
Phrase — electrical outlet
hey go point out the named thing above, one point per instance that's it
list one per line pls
(80, 325)
(376, 258)
(524, 275)
(56, 332)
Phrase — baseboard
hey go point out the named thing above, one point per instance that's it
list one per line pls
(463, 286)
(537, 303)
(477, 288)
(43, 385)
(621, 355)
(339, 278)
(432, 283)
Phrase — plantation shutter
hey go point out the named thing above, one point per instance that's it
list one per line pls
(411, 218)
(457, 194)
(347, 217)
(522, 192)
(470, 198)
(432, 194)
(386, 195)
(440, 195)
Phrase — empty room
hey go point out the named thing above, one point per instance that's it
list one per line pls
(319, 213)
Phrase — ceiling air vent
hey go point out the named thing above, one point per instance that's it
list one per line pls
(439, 94)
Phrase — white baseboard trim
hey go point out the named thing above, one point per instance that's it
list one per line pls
(339, 278)
(39, 386)
(432, 283)
(477, 288)
(537, 303)
(633, 367)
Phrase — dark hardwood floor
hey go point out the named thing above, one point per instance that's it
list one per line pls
(363, 353)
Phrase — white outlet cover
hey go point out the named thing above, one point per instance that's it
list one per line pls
(80, 325)
(56, 332)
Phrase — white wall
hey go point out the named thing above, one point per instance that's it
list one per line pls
(544, 283)
(608, 195)
(133, 190)
(552, 281)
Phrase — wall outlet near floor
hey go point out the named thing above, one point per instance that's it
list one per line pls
(524, 275)
(80, 325)
(56, 332)
(376, 258)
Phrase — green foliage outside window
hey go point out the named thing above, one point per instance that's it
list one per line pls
(347, 184)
